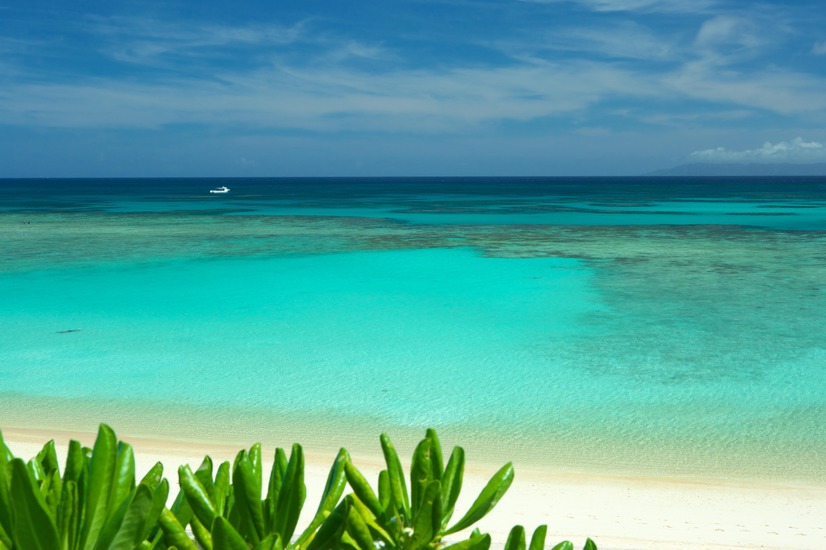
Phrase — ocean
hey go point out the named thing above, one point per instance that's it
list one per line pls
(657, 326)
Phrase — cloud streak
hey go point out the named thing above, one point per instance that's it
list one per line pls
(327, 99)
(621, 40)
(143, 40)
(513, 71)
(336, 97)
(728, 30)
(796, 150)
(644, 6)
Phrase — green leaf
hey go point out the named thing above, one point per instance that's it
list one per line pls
(487, 499)
(452, 483)
(590, 545)
(131, 530)
(36, 469)
(292, 495)
(421, 473)
(5, 539)
(255, 462)
(427, 522)
(385, 493)
(154, 476)
(5, 483)
(74, 462)
(5, 453)
(279, 469)
(204, 475)
(174, 532)
(564, 545)
(436, 454)
(225, 537)
(33, 527)
(362, 489)
(270, 542)
(47, 458)
(336, 482)
(379, 533)
(51, 489)
(114, 519)
(358, 531)
(330, 532)
(398, 489)
(69, 515)
(202, 535)
(123, 482)
(248, 499)
(222, 489)
(159, 496)
(538, 538)
(196, 495)
(476, 541)
(101, 473)
(516, 539)
(347, 542)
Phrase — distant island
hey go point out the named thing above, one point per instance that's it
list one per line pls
(741, 169)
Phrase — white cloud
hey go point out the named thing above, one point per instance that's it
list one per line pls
(356, 50)
(728, 30)
(332, 98)
(772, 89)
(647, 6)
(143, 40)
(192, 35)
(681, 119)
(328, 99)
(627, 40)
(796, 150)
(342, 90)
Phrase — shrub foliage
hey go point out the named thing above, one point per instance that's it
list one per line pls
(96, 503)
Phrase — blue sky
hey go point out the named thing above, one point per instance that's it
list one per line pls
(407, 87)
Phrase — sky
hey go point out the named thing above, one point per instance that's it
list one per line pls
(177, 88)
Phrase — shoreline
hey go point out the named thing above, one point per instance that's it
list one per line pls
(593, 452)
(623, 512)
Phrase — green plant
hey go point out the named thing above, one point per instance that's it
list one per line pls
(232, 514)
(516, 540)
(422, 519)
(94, 505)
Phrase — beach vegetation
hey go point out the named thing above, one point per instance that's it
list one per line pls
(421, 517)
(229, 510)
(96, 503)
(516, 540)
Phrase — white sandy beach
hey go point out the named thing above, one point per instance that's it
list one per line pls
(620, 513)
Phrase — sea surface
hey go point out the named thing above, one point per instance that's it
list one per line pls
(670, 326)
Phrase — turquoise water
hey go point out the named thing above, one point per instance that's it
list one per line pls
(605, 332)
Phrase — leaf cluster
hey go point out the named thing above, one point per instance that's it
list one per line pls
(96, 503)
(420, 518)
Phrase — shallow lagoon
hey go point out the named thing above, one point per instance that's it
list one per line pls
(644, 344)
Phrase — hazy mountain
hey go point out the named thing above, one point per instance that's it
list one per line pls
(733, 169)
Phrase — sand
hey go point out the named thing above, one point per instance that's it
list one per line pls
(623, 513)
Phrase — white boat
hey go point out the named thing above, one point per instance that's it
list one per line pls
(222, 189)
